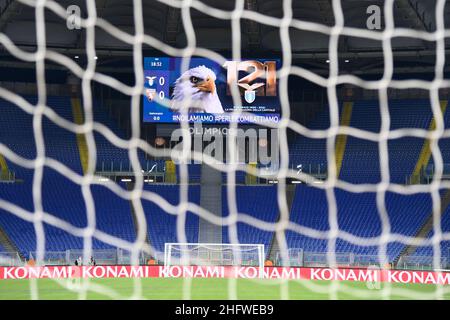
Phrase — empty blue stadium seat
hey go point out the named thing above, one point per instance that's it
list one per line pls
(357, 214)
(162, 226)
(361, 163)
(63, 199)
(259, 202)
(444, 245)
(194, 172)
(110, 156)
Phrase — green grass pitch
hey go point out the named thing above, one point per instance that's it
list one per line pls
(212, 288)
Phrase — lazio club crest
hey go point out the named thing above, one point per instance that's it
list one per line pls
(249, 96)
(250, 91)
(151, 81)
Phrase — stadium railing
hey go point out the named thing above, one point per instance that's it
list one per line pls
(300, 258)
(149, 166)
(8, 259)
(297, 258)
(426, 174)
(420, 263)
(102, 257)
(7, 177)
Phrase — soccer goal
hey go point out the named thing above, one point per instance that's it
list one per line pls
(213, 254)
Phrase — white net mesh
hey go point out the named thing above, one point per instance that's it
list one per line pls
(137, 40)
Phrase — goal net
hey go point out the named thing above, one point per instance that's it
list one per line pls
(235, 253)
(214, 254)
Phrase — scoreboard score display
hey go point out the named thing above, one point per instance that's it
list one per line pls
(202, 92)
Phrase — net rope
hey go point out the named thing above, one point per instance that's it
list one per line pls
(88, 75)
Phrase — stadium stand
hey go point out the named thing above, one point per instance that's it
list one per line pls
(162, 227)
(307, 151)
(61, 198)
(109, 155)
(16, 131)
(61, 144)
(445, 245)
(360, 163)
(257, 201)
(112, 157)
(361, 160)
(113, 214)
(194, 171)
(239, 176)
(357, 215)
(20, 231)
(357, 212)
(444, 143)
(404, 153)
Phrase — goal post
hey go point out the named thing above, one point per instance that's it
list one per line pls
(214, 254)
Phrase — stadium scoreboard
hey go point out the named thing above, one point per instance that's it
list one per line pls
(204, 89)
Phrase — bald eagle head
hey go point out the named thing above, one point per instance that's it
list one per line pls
(195, 90)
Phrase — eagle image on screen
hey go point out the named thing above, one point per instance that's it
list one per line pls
(197, 88)
(201, 91)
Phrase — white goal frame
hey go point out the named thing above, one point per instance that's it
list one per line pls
(217, 247)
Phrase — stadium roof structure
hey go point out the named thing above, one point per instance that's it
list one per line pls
(163, 21)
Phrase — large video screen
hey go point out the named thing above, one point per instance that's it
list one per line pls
(203, 94)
